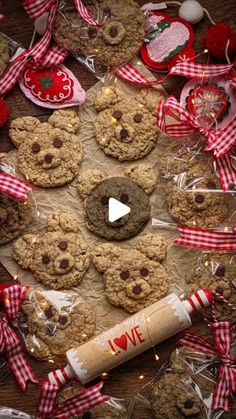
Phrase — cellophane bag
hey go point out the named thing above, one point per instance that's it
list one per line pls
(9, 50)
(115, 42)
(8, 413)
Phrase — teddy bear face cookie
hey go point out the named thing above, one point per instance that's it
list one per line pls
(116, 42)
(97, 189)
(134, 278)
(55, 322)
(15, 216)
(125, 128)
(49, 154)
(58, 258)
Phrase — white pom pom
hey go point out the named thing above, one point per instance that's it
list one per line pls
(191, 11)
(40, 23)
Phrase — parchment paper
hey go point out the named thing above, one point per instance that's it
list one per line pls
(177, 260)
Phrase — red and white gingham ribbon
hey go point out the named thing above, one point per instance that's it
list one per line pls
(186, 125)
(9, 341)
(130, 73)
(206, 239)
(226, 381)
(14, 187)
(85, 400)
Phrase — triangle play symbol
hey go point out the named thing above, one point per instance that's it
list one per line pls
(116, 210)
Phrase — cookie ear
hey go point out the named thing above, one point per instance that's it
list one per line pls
(144, 175)
(21, 127)
(65, 119)
(104, 255)
(88, 180)
(63, 220)
(23, 250)
(153, 246)
(107, 97)
(150, 98)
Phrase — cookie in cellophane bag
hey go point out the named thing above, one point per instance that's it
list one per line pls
(53, 322)
(116, 41)
(8, 413)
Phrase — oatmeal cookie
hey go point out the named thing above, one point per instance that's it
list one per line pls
(116, 42)
(15, 216)
(126, 130)
(49, 153)
(56, 321)
(134, 278)
(4, 53)
(59, 257)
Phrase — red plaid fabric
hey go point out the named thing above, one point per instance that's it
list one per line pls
(226, 171)
(206, 239)
(13, 186)
(12, 298)
(84, 13)
(54, 56)
(223, 139)
(129, 73)
(201, 71)
(226, 381)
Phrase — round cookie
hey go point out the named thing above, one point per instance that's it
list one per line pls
(125, 191)
(172, 398)
(126, 130)
(4, 53)
(56, 323)
(115, 43)
(15, 216)
(59, 257)
(216, 271)
(49, 154)
(197, 209)
(134, 278)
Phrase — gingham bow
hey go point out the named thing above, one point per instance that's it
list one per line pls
(206, 239)
(9, 341)
(185, 124)
(14, 186)
(226, 381)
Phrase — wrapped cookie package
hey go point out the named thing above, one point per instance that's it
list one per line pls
(9, 50)
(51, 322)
(115, 39)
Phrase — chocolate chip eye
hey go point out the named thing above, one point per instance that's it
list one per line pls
(63, 245)
(92, 32)
(63, 320)
(199, 199)
(138, 118)
(144, 272)
(48, 313)
(220, 271)
(117, 115)
(45, 259)
(36, 148)
(188, 404)
(124, 198)
(124, 275)
(107, 12)
(57, 142)
(105, 200)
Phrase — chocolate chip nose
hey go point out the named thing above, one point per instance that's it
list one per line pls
(64, 264)
(199, 198)
(137, 289)
(124, 133)
(48, 158)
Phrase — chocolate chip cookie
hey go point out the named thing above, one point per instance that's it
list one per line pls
(55, 322)
(59, 257)
(49, 153)
(117, 40)
(133, 278)
(4, 53)
(15, 216)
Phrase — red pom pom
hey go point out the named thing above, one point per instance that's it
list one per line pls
(216, 38)
(4, 112)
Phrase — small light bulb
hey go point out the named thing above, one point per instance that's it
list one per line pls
(104, 375)
(157, 357)
(141, 377)
(148, 319)
(205, 51)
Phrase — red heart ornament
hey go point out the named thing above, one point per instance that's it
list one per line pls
(167, 38)
(121, 342)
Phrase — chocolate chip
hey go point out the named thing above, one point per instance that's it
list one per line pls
(211, 184)
(124, 133)
(51, 329)
(117, 114)
(220, 271)
(45, 259)
(144, 271)
(219, 290)
(107, 12)
(57, 142)
(92, 32)
(87, 415)
(63, 320)
(36, 148)
(188, 404)
(124, 275)
(138, 118)
(113, 32)
(105, 200)
(124, 198)
(199, 198)
(48, 313)
(63, 245)
(64, 264)
(48, 158)
(137, 289)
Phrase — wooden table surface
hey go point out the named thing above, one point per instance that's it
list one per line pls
(123, 381)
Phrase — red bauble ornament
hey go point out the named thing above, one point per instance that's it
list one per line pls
(4, 112)
(215, 40)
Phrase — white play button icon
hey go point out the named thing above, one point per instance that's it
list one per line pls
(116, 210)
